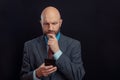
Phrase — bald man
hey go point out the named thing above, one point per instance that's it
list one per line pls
(66, 52)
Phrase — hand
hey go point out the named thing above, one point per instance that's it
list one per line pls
(53, 43)
(45, 70)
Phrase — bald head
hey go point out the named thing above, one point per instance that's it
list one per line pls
(50, 12)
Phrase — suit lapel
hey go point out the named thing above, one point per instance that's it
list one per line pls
(62, 43)
(42, 48)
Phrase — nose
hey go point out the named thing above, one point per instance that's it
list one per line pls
(50, 27)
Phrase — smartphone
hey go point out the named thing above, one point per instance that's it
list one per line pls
(49, 62)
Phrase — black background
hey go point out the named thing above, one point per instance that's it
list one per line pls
(96, 23)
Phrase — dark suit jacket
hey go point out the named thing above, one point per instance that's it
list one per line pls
(70, 65)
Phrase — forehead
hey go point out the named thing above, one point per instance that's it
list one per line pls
(50, 18)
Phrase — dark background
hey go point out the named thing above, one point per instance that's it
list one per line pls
(96, 23)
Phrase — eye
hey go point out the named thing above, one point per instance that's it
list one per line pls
(54, 23)
(45, 23)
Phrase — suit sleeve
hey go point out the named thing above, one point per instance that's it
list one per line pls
(26, 72)
(71, 66)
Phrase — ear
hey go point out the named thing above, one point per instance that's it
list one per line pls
(41, 22)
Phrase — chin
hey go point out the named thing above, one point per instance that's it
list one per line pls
(51, 33)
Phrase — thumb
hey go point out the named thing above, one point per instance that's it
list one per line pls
(43, 65)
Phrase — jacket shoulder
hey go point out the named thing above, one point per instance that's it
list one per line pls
(33, 41)
(69, 39)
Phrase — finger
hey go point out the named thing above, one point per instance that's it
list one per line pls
(50, 42)
(43, 65)
(51, 36)
(48, 67)
(52, 70)
(45, 74)
(45, 70)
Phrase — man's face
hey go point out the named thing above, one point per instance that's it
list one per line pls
(51, 24)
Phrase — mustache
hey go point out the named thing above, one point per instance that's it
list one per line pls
(50, 32)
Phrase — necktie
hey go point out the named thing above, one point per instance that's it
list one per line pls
(50, 54)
